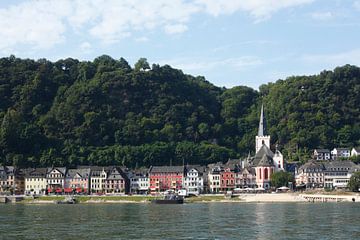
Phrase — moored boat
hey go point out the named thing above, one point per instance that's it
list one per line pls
(169, 199)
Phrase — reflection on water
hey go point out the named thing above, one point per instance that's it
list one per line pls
(188, 221)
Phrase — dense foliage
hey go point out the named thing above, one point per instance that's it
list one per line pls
(280, 179)
(106, 112)
(354, 183)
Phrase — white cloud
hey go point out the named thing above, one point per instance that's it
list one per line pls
(322, 15)
(259, 9)
(175, 28)
(141, 39)
(85, 47)
(42, 24)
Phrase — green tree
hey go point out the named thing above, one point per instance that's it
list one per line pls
(354, 183)
(279, 179)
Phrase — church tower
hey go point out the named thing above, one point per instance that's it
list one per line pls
(262, 137)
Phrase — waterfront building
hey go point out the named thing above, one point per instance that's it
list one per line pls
(116, 181)
(214, 178)
(11, 180)
(98, 176)
(337, 174)
(193, 180)
(77, 180)
(35, 181)
(322, 154)
(227, 179)
(139, 181)
(337, 153)
(245, 178)
(311, 174)
(55, 178)
(164, 178)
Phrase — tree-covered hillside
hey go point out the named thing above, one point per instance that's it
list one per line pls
(106, 112)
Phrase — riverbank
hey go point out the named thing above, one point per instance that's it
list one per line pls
(241, 198)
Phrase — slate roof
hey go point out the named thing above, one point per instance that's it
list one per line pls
(82, 172)
(264, 150)
(336, 165)
(319, 150)
(311, 165)
(61, 169)
(166, 169)
(266, 161)
(116, 173)
(36, 173)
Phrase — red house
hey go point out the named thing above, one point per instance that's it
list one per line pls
(164, 178)
(227, 180)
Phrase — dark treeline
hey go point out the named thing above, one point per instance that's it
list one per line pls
(106, 112)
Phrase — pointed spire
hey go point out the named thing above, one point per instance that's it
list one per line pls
(262, 124)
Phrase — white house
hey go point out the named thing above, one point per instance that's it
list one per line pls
(55, 178)
(355, 151)
(35, 181)
(337, 174)
(322, 154)
(139, 182)
(193, 180)
(97, 179)
(337, 153)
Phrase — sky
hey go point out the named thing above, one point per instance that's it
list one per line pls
(229, 42)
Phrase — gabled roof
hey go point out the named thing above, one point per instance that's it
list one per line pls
(60, 169)
(311, 165)
(166, 169)
(338, 164)
(36, 173)
(115, 173)
(266, 161)
(82, 173)
(320, 150)
(264, 150)
(199, 168)
(342, 149)
(357, 149)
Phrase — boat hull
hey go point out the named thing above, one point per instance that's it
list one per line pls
(168, 201)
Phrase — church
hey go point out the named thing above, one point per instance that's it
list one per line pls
(265, 162)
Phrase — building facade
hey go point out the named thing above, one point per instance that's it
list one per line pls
(164, 178)
(35, 181)
(193, 180)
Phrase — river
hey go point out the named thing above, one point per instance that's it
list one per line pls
(188, 221)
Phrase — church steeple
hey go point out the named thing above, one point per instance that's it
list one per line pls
(262, 138)
(262, 123)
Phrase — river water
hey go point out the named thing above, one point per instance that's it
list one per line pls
(188, 221)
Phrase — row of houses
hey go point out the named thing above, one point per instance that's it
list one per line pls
(94, 179)
(62, 180)
(328, 174)
(336, 153)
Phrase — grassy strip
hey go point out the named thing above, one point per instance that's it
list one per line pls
(83, 199)
(209, 199)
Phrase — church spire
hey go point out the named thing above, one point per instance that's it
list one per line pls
(262, 123)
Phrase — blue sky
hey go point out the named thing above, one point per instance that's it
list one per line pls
(231, 43)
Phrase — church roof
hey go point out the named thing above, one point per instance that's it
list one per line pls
(262, 123)
(264, 150)
(266, 161)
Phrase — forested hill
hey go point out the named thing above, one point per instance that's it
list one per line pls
(106, 112)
